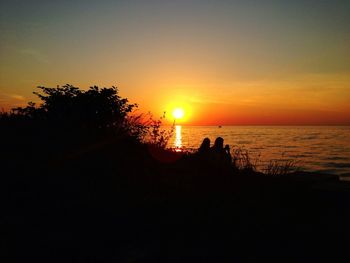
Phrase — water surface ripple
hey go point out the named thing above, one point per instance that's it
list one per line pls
(317, 148)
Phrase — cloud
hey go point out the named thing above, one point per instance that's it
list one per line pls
(207, 100)
(9, 101)
(17, 97)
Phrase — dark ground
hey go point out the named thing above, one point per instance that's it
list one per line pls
(113, 202)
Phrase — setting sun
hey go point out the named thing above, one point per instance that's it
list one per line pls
(179, 110)
(178, 113)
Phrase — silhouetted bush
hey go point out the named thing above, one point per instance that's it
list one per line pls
(157, 135)
(242, 160)
(95, 108)
(281, 167)
(94, 111)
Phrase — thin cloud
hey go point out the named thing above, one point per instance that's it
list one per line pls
(17, 97)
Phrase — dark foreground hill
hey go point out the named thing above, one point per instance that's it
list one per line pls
(116, 203)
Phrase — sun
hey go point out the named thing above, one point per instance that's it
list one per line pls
(178, 113)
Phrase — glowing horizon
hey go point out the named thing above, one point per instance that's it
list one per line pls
(227, 63)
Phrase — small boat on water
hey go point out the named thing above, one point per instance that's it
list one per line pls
(219, 126)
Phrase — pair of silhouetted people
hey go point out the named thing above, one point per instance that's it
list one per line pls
(217, 154)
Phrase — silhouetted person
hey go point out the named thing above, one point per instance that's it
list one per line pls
(204, 156)
(205, 146)
(228, 156)
(218, 147)
(221, 157)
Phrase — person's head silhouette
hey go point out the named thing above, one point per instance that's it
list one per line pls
(219, 143)
(205, 145)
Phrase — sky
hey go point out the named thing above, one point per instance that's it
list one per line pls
(224, 62)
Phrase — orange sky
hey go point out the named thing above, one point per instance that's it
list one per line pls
(226, 63)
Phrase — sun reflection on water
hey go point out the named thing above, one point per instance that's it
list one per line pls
(178, 138)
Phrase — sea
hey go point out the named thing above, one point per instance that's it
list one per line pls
(321, 149)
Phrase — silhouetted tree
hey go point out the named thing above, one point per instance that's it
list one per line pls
(94, 109)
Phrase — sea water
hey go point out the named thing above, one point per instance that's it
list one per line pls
(323, 149)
